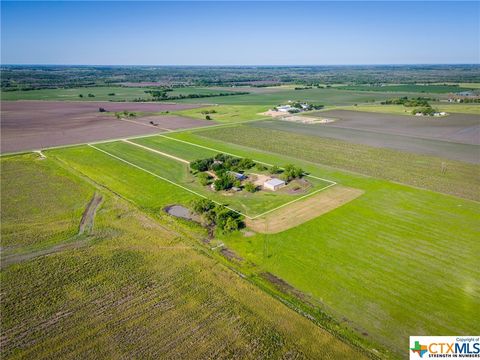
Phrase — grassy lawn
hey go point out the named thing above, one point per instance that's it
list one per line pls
(41, 203)
(394, 262)
(435, 89)
(227, 113)
(141, 288)
(402, 110)
(460, 179)
(251, 204)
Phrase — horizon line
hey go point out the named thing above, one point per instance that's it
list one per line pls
(240, 65)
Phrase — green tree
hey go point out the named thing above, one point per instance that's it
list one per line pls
(274, 170)
(250, 187)
(204, 178)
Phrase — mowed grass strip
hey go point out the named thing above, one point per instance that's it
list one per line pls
(143, 290)
(393, 262)
(41, 204)
(457, 178)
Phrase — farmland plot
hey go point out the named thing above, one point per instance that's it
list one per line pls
(142, 288)
(385, 264)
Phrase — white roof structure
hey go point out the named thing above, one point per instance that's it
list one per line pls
(274, 182)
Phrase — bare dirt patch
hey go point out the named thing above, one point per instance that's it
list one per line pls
(33, 125)
(304, 210)
(282, 285)
(230, 254)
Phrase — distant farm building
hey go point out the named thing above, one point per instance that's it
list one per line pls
(285, 108)
(273, 184)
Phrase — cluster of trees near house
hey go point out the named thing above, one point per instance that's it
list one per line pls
(222, 165)
(412, 102)
(217, 215)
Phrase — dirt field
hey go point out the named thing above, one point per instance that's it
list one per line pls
(31, 125)
(303, 211)
(459, 128)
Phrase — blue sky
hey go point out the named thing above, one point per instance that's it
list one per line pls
(239, 33)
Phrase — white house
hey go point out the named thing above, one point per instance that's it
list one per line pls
(273, 184)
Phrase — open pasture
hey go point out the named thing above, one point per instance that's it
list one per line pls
(100, 93)
(227, 113)
(325, 96)
(31, 125)
(42, 204)
(141, 287)
(386, 263)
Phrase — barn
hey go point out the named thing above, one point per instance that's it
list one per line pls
(273, 184)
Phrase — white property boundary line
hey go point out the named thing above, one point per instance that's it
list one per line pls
(224, 152)
(162, 178)
(332, 183)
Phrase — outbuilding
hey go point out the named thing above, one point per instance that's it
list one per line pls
(238, 176)
(273, 184)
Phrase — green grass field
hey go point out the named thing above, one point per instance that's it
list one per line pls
(391, 263)
(327, 96)
(122, 93)
(142, 288)
(41, 204)
(433, 89)
(227, 113)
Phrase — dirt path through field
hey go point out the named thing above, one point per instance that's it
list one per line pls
(302, 211)
(86, 223)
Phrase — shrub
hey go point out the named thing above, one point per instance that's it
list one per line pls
(250, 187)
(291, 172)
(204, 178)
(274, 170)
(202, 206)
(260, 167)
